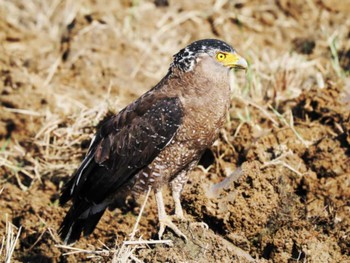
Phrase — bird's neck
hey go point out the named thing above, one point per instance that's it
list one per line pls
(206, 96)
(212, 88)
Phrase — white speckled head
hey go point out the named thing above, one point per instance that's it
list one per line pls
(185, 59)
(219, 52)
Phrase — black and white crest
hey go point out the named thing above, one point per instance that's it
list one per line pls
(186, 58)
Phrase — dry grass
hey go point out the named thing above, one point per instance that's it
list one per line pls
(9, 241)
(122, 52)
(61, 126)
(123, 253)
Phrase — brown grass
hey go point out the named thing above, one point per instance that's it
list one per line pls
(65, 64)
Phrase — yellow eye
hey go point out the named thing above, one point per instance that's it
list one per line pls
(220, 56)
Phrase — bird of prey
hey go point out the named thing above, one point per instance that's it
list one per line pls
(156, 140)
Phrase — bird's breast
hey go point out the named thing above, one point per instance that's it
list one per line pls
(202, 120)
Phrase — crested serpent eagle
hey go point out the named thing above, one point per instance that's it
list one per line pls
(154, 141)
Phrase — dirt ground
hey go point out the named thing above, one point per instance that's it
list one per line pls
(275, 187)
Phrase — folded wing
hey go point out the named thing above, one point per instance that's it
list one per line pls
(124, 145)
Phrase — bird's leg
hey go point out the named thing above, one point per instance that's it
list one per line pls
(178, 207)
(176, 186)
(164, 219)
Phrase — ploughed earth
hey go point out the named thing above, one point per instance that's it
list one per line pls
(275, 187)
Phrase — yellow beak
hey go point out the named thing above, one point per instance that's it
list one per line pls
(233, 60)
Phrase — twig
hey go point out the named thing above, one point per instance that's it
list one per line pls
(23, 111)
(265, 112)
(278, 161)
(36, 242)
(238, 130)
(291, 126)
(76, 250)
(10, 240)
(132, 235)
(147, 242)
(52, 71)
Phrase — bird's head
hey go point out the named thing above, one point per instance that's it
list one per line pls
(218, 52)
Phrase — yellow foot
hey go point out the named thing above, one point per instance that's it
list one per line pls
(166, 221)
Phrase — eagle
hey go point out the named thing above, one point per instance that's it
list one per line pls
(154, 141)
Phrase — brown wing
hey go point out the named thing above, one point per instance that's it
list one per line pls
(124, 145)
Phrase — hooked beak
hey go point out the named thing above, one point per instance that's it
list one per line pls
(233, 60)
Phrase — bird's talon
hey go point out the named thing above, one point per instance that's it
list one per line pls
(179, 218)
(167, 222)
(161, 231)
